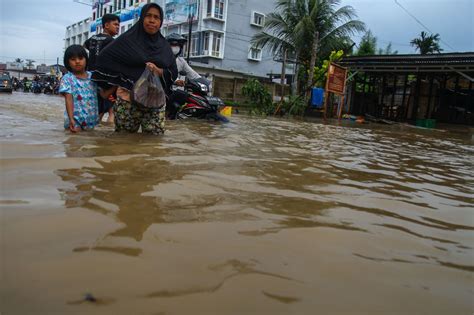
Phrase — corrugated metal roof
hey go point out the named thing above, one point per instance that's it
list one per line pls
(432, 62)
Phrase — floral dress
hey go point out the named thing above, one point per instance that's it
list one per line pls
(84, 94)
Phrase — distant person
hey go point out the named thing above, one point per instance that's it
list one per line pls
(122, 63)
(79, 92)
(179, 96)
(111, 26)
(177, 42)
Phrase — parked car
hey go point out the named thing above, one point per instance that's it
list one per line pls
(6, 83)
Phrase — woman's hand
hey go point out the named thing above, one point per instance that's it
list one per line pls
(179, 82)
(152, 67)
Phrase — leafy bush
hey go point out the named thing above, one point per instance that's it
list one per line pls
(295, 105)
(257, 97)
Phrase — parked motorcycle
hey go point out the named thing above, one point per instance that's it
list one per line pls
(27, 86)
(48, 88)
(197, 103)
(16, 85)
(36, 87)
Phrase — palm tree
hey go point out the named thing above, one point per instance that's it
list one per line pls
(307, 29)
(30, 63)
(19, 60)
(427, 44)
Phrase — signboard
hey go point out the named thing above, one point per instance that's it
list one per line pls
(178, 11)
(336, 79)
(125, 15)
(97, 2)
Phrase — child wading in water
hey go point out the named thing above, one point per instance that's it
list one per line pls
(79, 91)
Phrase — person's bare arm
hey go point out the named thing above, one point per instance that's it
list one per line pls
(70, 112)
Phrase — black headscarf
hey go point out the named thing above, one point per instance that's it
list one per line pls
(123, 61)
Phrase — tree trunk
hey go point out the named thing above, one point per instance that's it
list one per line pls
(283, 74)
(312, 63)
(282, 81)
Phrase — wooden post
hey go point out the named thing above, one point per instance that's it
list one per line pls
(326, 96)
(381, 102)
(392, 102)
(353, 94)
(404, 97)
(234, 92)
(471, 96)
(416, 100)
(456, 96)
(343, 96)
(428, 107)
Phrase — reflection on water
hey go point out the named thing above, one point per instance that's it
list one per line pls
(276, 202)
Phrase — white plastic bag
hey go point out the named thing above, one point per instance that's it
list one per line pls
(148, 91)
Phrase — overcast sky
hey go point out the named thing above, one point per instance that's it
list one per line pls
(35, 28)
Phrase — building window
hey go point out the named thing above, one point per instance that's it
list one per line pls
(93, 16)
(194, 45)
(255, 54)
(212, 44)
(209, 8)
(130, 3)
(257, 19)
(215, 8)
(206, 44)
(122, 29)
(219, 9)
(129, 26)
(216, 45)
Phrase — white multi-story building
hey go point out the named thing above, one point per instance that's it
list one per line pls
(77, 33)
(221, 31)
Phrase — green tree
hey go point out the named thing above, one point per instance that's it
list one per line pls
(367, 45)
(388, 50)
(257, 97)
(321, 72)
(427, 44)
(30, 63)
(308, 29)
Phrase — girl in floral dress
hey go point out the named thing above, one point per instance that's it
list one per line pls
(79, 91)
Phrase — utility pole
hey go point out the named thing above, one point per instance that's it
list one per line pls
(190, 31)
(190, 21)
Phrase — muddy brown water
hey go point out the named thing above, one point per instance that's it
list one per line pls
(258, 216)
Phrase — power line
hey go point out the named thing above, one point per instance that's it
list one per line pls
(385, 41)
(421, 23)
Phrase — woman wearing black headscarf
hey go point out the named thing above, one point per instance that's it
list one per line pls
(122, 63)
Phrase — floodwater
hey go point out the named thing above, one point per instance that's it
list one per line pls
(258, 216)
